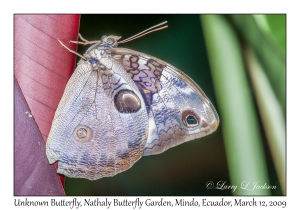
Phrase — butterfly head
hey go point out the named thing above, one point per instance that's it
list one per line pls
(110, 41)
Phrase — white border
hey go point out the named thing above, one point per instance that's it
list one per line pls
(291, 8)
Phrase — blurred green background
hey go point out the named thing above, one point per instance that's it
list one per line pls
(239, 61)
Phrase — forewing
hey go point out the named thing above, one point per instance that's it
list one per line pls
(178, 110)
(94, 133)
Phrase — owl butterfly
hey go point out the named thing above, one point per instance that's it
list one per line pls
(119, 105)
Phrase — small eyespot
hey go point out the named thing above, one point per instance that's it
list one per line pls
(83, 133)
(190, 118)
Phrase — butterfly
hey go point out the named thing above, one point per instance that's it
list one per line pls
(120, 105)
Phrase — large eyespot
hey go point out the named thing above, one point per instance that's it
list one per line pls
(190, 118)
(82, 133)
(126, 101)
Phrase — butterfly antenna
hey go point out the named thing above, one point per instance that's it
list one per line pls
(147, 31)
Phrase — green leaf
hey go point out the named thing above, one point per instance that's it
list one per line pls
(239, 121)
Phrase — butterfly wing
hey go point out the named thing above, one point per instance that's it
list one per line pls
(178, 110)
(101, 125)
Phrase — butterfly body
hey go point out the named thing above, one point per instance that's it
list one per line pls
(120, 105)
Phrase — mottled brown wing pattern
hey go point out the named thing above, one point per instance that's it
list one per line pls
(178, 110)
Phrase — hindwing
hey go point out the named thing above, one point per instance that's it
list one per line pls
(178, 110)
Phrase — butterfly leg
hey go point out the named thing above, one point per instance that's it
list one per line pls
(83, 39)
(72, 51)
